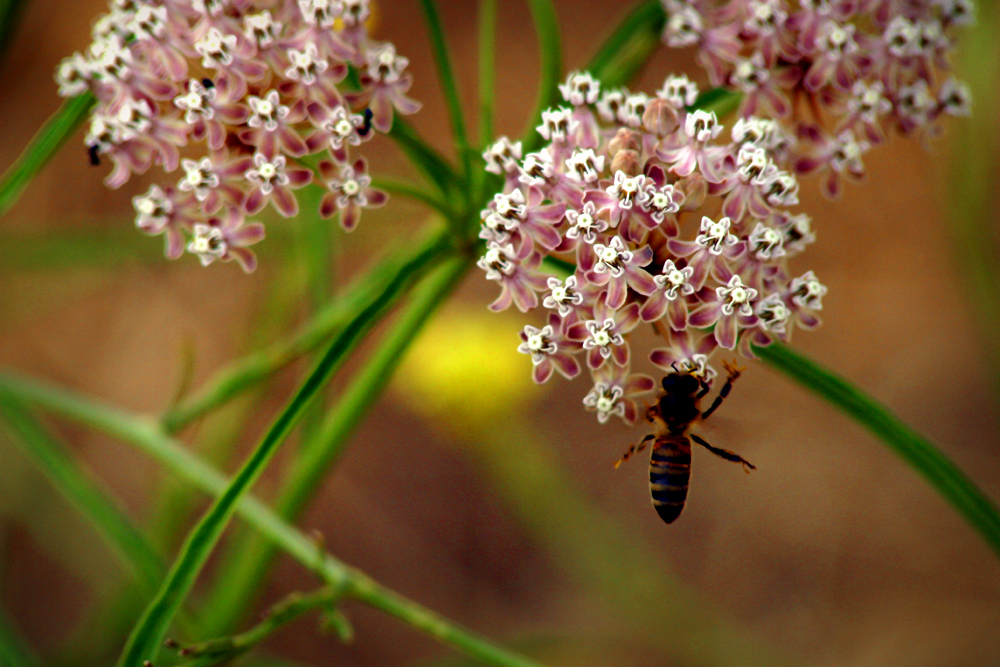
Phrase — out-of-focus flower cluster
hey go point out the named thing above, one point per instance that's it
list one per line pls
(255, 84)
(667, 220)
(836, 72)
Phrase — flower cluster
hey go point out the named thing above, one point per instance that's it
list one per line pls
(255, 84)
(837, 72)
(665, 225)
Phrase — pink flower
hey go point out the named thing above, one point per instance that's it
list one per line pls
(274, 180)
(350, 192)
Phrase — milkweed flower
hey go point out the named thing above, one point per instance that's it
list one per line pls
(246, 89)
(836, 73)
(670, 220)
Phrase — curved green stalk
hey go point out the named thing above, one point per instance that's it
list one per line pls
(618, 58)
(550, 54)
(430, 162)
(236, 585)
(648, 17)
(913, 448)
(67, 476)
(487, 69)
(973, 174)
(446, 77)
(147, 435)
(415, 193)
(252, 369)
(10, 17)
(629, 47)
(225, 649)
(147, 636)
(720, 100)
(57, 129)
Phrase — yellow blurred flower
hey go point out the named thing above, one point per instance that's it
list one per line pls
(464, 372)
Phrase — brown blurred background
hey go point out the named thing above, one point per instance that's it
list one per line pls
(833, 553)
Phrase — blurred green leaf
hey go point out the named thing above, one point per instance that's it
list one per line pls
(56, 131)
(68, 477)
(240, 575)
(487, 69)
(10, 18)
(150, 438)
(648, 18)
(248, 371)
(973, 199)
(446, 78)
(431, 163)
(550, 54)
(14, 650)
(916, 450)
(148, 634)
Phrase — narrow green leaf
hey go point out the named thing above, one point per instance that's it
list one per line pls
(550, 53)
(446, 77)
(68, 477)
(147, 436)
(971, 184)
(618, 58)
(647, 18)
(913, 448)
(10, 17)
(252, 369)
(57, 129)
(431, 163)
(415, 193)
(487, 69)
(719, 100)
(633, 43)
(14, 650)
(237, 583)
(226, 649)
(148, 634)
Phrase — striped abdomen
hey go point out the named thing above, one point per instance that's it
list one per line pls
(669, 471)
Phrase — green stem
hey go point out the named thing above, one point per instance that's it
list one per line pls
(150, 438)
(415, 193)
(647, 17)
(446, 77)
(550, 55)
(364, 589)
(430, 162)
(973, 173)
(913, 448)
(225, 649)
(10, 17)
(68, 477)
(147, 636)
(57, 129)
(238, 582)
(630, 46)
(247, 372)
(720, 100)
(487, 69)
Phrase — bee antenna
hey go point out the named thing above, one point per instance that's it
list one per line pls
(673, 364)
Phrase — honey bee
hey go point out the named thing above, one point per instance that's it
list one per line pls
(673, 415)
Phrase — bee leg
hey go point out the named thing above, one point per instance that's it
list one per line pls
(734, 373)
(725, 453)
(634, 449)
(704, 388)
